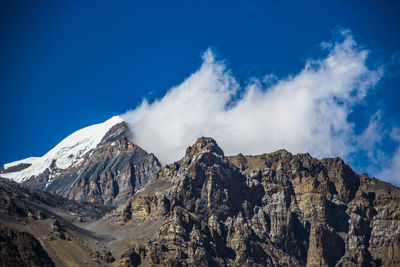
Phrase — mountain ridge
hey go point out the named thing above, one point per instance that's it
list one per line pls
(207, 209)
(293, 211)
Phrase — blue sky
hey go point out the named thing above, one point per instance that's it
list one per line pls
(68, 65)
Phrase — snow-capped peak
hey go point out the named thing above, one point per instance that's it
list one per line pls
(66, 153)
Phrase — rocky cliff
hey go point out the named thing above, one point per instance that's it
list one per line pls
(274, 209)
(207, 209)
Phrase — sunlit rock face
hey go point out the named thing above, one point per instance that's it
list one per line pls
(275, 209)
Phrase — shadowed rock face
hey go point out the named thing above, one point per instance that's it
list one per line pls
(21, 249)
(108, 175)
(19, 201)
(274, 209)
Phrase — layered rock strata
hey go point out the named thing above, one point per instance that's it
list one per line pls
(275, 209)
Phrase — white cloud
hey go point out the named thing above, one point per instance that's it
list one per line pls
(370, 139)
(306, 112)
(391, 170)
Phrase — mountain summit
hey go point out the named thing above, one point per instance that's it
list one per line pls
(69, 152)
(97, 163)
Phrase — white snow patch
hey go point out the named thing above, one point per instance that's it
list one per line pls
(48, 183)
(66, 153)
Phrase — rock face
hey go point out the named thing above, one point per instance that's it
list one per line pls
(275, 209)
(207, 209)
(109, 174)
(21, 249)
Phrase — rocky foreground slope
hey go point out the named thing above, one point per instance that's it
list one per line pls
(41, 229)
(207, 209)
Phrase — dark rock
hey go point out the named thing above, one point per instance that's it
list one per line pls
(21, 249)
(15, 168)
(105, 256)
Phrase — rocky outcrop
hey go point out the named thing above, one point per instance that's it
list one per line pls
(110, 174)
(275, 209)
(21, 249)
(18, 167)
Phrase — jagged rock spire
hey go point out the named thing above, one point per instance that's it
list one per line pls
(203, 145)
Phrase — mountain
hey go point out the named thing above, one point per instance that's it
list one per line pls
(97, 163)
(207, 209)
(275, 209)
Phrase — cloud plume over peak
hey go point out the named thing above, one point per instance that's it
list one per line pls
(306, 112)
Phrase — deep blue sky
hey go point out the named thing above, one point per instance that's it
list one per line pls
(65, 66)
